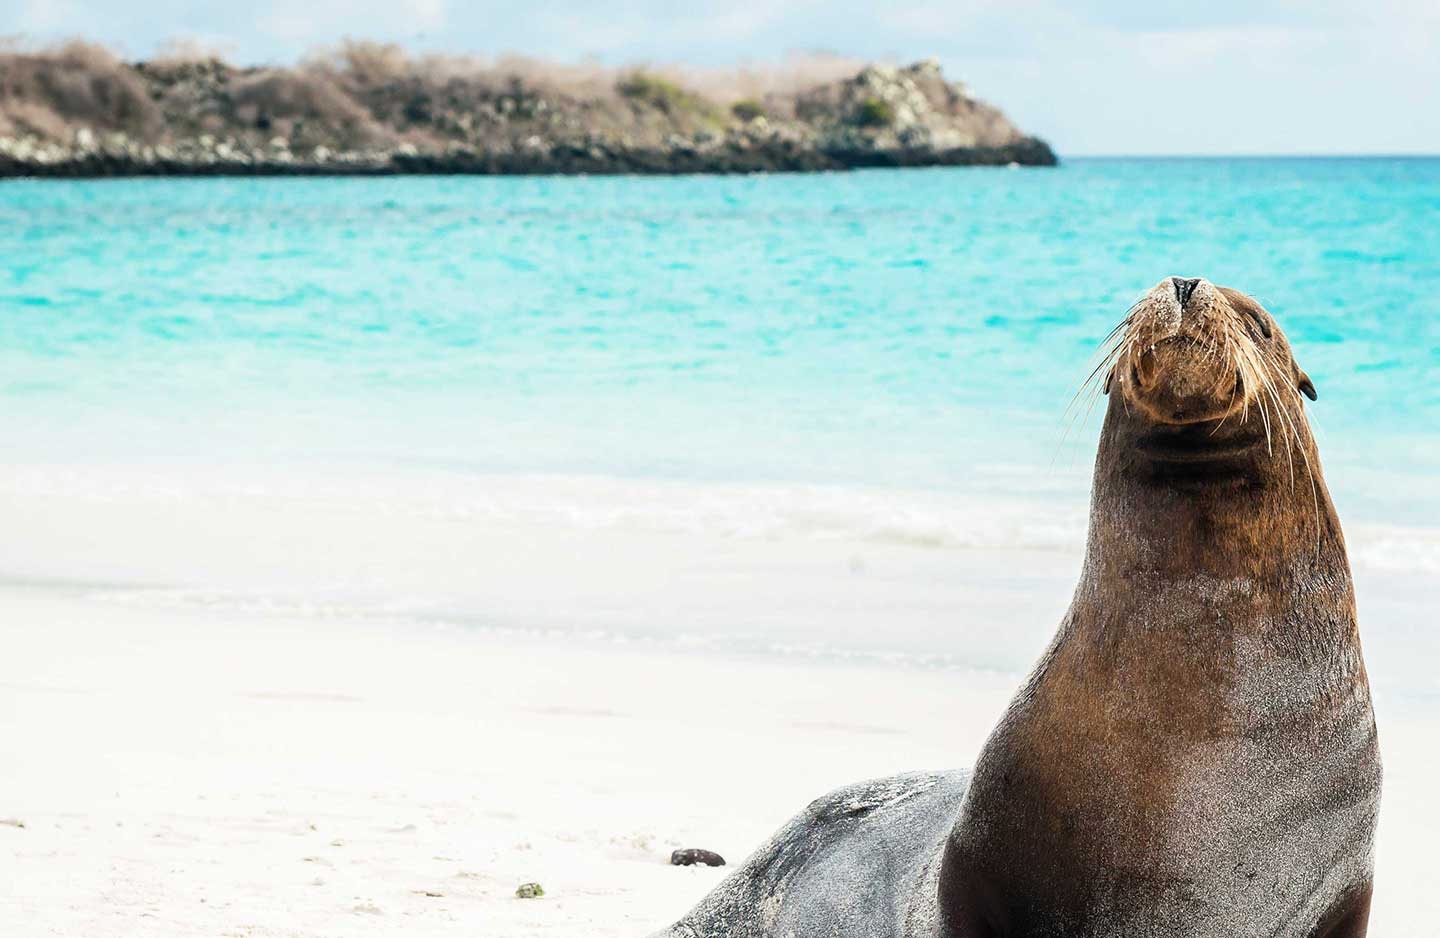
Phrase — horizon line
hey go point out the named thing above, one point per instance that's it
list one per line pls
(1281, 155)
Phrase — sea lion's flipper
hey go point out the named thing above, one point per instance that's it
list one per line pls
(856, 862)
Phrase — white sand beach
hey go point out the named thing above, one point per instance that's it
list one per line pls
(227, 713)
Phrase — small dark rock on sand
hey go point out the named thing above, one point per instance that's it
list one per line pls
(694, 855)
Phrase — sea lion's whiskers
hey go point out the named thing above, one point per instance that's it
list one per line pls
(1302, 415)
(1272, 363)
(1265, 419)
(1107, 358)
(1293, 442)
(1130, 347)
(1213, 347)
(1227, 343)
(1288, 440)
(1256, 374)
(1090, 390)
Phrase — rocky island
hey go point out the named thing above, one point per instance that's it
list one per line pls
(78, 111)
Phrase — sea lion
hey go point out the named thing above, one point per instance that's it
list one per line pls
(1195, 753)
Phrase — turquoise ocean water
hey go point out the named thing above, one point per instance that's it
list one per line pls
(920, 329)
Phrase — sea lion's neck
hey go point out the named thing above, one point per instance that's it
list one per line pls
(1265, 519)
(1265, 534)
(1234, 584)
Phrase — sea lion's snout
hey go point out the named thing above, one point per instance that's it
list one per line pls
(1177, 370)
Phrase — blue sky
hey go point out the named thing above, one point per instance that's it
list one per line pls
(1135, 76)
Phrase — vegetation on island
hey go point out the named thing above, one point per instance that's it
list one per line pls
(77, 109)
(875, 112)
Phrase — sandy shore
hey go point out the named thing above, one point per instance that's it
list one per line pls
(261, 775)
(239, 703)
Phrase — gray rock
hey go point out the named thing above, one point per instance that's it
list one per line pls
(693, 855)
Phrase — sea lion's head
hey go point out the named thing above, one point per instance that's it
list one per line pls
(1200, 375)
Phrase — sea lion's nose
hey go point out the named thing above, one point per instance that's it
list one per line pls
(1184, 288)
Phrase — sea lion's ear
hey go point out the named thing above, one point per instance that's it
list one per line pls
(1306, 386)
(1109, 376)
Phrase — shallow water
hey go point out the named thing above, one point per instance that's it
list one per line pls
(876, 357)
(917, 328)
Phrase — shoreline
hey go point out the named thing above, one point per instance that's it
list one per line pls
(806, 572)
(724, 159)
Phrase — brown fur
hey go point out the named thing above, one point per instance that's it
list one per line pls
(1195, 754)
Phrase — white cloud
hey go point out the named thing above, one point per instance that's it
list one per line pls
(47, 17)
(1202, 47)
(326, 21)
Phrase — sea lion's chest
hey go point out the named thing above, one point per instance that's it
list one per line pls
(1140, 789)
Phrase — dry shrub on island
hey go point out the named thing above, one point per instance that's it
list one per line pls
(363, 95)
(371, 64)
(54, 92)
(304, 104)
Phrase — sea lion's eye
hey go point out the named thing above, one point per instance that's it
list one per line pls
(1306, 386)
(1260, 321)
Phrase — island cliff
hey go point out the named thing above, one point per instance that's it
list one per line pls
(368, 109)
